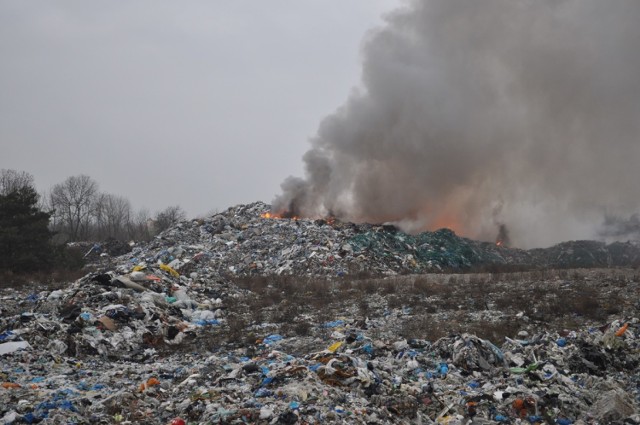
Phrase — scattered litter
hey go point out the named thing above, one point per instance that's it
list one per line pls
(140, 341)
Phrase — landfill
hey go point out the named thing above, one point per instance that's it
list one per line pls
(242, 241)
(238, 318)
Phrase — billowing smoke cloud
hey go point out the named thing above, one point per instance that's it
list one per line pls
(619, 228)
(532, 105)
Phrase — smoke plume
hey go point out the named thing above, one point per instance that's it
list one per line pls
(464, 104)
(619, 228)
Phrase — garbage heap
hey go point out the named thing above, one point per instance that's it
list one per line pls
(110, 350)
(141, 341)
(241, 241)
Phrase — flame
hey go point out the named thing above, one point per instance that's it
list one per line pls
(499, 243)
(270, 215)
(447, 221)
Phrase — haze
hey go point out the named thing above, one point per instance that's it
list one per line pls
(205, 104)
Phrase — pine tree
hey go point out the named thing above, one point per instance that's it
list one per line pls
(24, 233)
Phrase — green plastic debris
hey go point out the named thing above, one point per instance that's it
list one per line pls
(521, 370)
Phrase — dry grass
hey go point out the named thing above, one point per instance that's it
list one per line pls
(56, 279)
(431, 306)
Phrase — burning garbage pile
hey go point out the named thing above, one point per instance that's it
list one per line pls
(253, 240)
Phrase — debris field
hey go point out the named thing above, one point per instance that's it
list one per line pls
(238, 318)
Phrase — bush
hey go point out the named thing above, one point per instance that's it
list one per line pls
(69, 258)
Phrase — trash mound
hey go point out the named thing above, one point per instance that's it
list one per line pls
(141, 349)
(166, 334)
(241, 241)
(588, 254)
(95, 250)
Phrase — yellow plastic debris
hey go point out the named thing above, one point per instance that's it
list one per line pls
(335, 346)
(139, 268)
(169, 270)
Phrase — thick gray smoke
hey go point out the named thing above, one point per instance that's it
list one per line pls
(465, 105)
(616, 228)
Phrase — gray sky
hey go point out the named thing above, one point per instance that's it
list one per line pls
(204, 104)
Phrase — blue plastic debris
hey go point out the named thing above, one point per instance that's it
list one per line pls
(6, 335)
(263, 392)
(333, 324)
(29, 418)
(496, 351)
(210, 322)
(561, 342)
(271, 339)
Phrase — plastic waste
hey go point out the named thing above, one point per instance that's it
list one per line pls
(169, 270)
(334, 347)
(622, 330)
(10, 347)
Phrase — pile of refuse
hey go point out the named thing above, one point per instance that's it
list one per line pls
(159, 335)
(243, 241)
(108, 349)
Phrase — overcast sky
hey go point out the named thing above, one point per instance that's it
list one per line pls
(205, 104)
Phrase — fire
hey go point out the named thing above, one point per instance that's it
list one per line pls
(447, 221)
(270, 215)
(499, 243)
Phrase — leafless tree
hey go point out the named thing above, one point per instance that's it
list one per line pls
(140, 226)
(12, 180)
(112, 215)
(168, 217)
(73, 202)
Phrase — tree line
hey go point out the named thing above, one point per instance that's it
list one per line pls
(35, 227)
(80, 212)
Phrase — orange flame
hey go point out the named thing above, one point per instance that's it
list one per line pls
(270, 215)
(447, 221)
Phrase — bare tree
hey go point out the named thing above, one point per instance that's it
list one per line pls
(112, 215)
(168, 217)
(73, 202)
(140, 226)
(13, 180)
